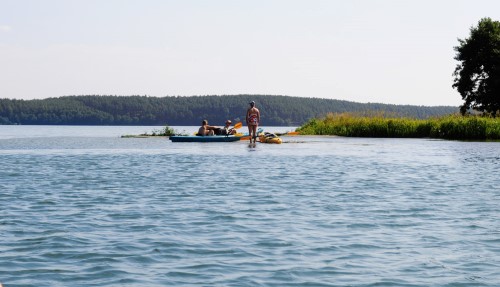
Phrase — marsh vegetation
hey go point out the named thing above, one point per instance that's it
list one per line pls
(447, 127)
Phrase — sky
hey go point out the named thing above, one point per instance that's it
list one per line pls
(379, 51)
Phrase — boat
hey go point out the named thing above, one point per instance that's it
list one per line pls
(270, 138)
(204, 138)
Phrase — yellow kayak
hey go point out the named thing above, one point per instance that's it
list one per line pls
(270, 138)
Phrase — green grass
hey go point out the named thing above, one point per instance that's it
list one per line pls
(448, 127)
(165, 132)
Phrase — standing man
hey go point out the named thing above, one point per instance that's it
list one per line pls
(253, 119)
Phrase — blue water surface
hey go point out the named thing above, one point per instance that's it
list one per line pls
(82, 206)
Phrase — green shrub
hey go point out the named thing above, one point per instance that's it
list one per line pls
(448, 127)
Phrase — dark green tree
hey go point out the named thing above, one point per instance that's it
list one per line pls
(477, 76)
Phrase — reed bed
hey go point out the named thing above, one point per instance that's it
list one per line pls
(447, 127)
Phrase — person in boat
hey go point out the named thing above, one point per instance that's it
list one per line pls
(226, 129)
(205, 129)
(253, 120)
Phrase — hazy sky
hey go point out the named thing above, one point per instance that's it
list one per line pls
(385, 51)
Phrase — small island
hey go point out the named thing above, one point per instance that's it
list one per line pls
(165, 132)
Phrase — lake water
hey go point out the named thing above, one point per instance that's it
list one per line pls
(81, 206)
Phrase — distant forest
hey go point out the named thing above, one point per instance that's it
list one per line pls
(175, 111)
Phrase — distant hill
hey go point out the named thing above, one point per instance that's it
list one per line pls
(144, 110)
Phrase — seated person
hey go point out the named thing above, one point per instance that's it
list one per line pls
(226, 130)
(205, 129)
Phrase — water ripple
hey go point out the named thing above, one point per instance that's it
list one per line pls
(322, 212)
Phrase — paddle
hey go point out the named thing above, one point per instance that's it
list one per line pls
(237, 125)
(244, 138)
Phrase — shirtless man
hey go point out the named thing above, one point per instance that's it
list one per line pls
(253, 119)
(205, 129)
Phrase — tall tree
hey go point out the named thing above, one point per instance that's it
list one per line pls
(477, 76)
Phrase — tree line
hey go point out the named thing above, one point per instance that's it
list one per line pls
(177, 110)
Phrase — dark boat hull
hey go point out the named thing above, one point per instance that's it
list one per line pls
(204, 139)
